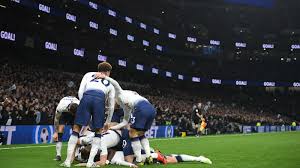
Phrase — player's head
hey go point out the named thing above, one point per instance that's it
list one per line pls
(105, 68)
(73, 108)
(85, 152)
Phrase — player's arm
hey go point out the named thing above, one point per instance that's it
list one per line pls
(110, 105)
(56, 120)
(116, 85)
(122, 162)
(127, 113)
(82, 86)
(57, 127)
(58, 113)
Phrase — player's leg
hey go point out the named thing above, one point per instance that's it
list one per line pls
(150, 114)
(97, 124)
(71, 146)
(159, 157)
(59, 142)
(137, 124)
(189, 158)
(82, 118)
(136, 144)
(108, 140)
(142, 119)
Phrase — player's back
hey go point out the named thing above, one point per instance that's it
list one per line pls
(65, 102)
(95, 95)
(93, 84)
(131, 97)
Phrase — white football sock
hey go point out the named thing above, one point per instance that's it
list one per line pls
(137, 150)
(58, 148)
(154, 155)
(146, 146)
(71, 147)
(95, 147)
(187, 158)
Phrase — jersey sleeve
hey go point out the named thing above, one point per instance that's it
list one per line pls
(110, 105)
(116, 85)
(125, 121)
(58, 112)
(82, 86)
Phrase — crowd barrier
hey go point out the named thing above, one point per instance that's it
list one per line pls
(39, 134)
(273, 128)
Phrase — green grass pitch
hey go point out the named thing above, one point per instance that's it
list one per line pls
(266, 150)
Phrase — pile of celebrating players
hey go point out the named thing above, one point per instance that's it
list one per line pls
(109, 125)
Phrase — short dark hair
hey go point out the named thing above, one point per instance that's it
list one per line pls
(104, 67)
(85, 152)
(73, 108)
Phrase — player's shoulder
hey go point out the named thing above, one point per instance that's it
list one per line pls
(89, 73)
(70, 98)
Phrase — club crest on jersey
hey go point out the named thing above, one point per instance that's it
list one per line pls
(105, 82)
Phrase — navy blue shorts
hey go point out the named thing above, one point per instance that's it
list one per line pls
(66, 119)
(143, 116)
(91, 104)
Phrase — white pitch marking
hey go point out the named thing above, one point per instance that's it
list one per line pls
(25, 147)
(162, 139)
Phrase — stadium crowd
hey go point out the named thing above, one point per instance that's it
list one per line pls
(30, 94)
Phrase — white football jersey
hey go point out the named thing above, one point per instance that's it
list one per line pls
(65, 102)
(89, 82)
(127, 99)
